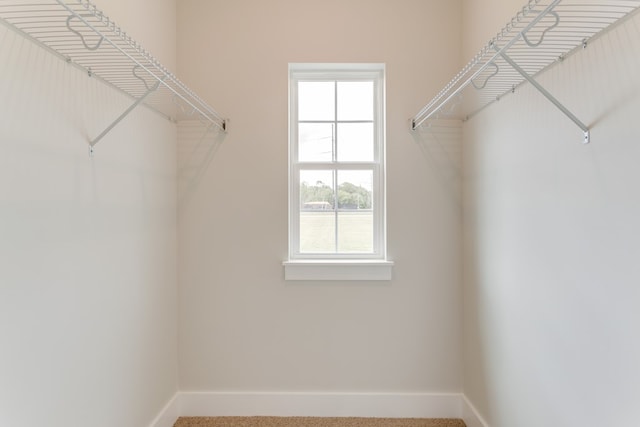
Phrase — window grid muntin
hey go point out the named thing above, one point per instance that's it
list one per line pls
(335, 169)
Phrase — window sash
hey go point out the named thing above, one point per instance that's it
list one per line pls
(376, 166)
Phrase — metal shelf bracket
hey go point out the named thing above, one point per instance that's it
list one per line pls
(123, 115)
(84, 42)
(543, 91)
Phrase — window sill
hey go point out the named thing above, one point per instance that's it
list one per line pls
(337, 270)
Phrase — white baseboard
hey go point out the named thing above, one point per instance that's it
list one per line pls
(470, 414)
(321, 404)
(282, 404)
(169, 414)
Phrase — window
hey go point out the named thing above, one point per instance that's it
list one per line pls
(336, 160)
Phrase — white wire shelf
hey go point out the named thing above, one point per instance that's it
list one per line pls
(79, 33)
(542, 33)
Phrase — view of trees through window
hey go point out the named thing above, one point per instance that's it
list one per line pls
(320, 196)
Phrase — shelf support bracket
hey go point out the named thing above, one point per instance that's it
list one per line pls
(544, 33)
(496, 70)
(122, 116)
(84, 42)
(543, 91)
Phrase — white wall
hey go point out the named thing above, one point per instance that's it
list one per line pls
(482, 20)
(87, 246)
(551, 238)
(242, 327)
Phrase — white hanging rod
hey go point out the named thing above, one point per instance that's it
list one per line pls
(82, 35)
(542, 33)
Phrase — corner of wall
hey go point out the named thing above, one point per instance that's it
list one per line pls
(470, 414)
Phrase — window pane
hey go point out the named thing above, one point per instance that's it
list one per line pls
(355, 231)
(317, 217)
(355, 142)
(355, 100)
(355, 219)
(316, 100)
(315, 142)
(355, 190)
(316, 189)
(317, 232)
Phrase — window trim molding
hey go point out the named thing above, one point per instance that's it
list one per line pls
(329, 270)
(330, 266)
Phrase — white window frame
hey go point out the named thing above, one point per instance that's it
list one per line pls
(338, 266)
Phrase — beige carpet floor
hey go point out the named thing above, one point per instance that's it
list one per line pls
(315, 422)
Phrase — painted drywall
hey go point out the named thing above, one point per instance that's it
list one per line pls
(87, 246)
(551, 245)
(482, 20)
(242, 326)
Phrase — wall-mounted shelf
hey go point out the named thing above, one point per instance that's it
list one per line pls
(79, 33)
(542, 33)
